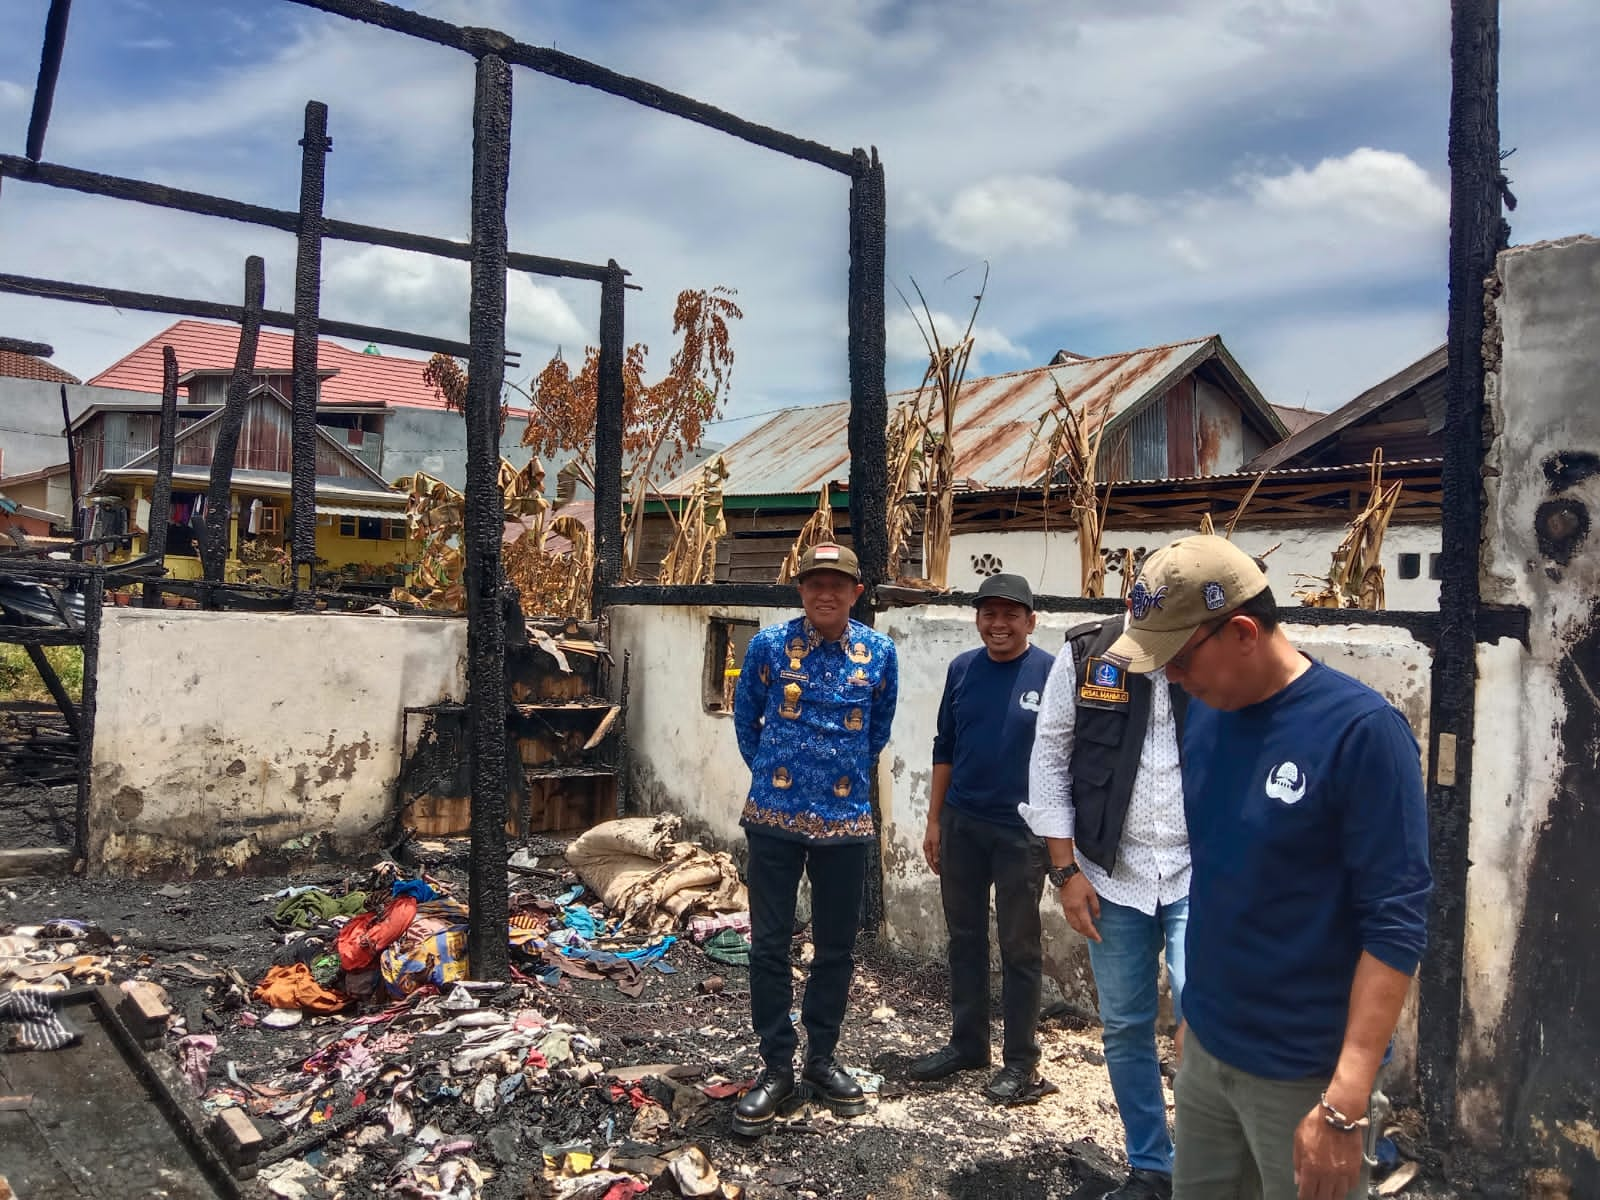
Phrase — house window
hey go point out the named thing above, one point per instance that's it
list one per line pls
(1410, 566)
(371, 529)
(397, 531)
(271, 520)
(726, 642)
(1435, 566)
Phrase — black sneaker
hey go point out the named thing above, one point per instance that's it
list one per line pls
(1013, 1085)
(753, 1115)
(942, 1063)
(836, 1087)
(1143, 1184)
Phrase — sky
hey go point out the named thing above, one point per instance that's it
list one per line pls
(1130, 172)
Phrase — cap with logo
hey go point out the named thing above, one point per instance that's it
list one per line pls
(826, 556)
(1181, 587)
(1005, 587)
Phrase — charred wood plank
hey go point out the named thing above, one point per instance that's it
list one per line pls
(546, 61)
(42, 635)
(94, 595)
(72, 462)
(219, 495)
(161, 490)
(608, 441)
(52, 683)
(869, 404)
(44, 91)
(314, 147)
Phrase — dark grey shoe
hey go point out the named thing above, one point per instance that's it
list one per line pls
(1013, 1085)
(942, 1063)
(753, 1115)
(836, 1087)
(1143, 1184)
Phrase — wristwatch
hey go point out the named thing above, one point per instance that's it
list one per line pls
(1060, 875)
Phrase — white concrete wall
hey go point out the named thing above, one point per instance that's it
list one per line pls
(1049, 561)
(222, 737)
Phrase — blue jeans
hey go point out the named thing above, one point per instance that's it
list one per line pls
(1126, 974)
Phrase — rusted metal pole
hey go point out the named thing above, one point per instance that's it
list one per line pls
(44, 91)
(314, 147)
(158, 195)
(1478, 232)
(161, 490)
(219, 495)
(608, 443)
(485, 521)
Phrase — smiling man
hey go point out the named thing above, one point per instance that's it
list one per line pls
(1308, 900)
(977, 841)
(813, 708)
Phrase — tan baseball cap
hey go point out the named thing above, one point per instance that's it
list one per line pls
(826, 556)
(1180, 588)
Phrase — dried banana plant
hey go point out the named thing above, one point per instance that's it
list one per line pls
(905, 444)
(945, 375)
(817, 529)
(697, 528)
(1071, 440)
(1355, 579)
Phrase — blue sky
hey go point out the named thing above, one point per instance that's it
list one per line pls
(1135, 172)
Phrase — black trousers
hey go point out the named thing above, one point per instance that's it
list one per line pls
(974, 856)
(837, 874)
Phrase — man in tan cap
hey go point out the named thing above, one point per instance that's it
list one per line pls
(812, 711)
(1308, 899)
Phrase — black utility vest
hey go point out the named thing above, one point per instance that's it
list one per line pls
(1107, 740)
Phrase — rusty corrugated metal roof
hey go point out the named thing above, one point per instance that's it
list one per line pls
(800, 449)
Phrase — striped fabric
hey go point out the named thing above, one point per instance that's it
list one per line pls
(34, 1025)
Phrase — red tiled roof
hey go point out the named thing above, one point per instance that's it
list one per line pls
(205, 346)
(26, 366)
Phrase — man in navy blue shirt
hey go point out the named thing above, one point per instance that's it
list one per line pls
(976, 840)
(1308, 902)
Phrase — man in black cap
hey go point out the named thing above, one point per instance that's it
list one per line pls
(976, 840)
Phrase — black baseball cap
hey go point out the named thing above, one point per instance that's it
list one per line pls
(1005, 587)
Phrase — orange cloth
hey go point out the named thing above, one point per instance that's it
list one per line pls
(293, 987)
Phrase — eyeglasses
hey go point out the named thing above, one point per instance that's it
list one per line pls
(1183, 658)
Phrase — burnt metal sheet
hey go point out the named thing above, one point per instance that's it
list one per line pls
(799, 450)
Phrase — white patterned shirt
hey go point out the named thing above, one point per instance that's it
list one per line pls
(1152, 866)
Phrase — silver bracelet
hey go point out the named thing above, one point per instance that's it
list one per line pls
(1338, 1120)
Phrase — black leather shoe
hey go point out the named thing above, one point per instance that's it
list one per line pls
(835, 1086)
(1013, 1085)
(753, 1115)
(942, 1063)
(1143, 1184)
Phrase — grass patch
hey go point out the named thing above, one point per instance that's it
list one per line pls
(20, 681)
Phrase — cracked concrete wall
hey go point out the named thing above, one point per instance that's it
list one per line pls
(226, 741)
(1531, 1012)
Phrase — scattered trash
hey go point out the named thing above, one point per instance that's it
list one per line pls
(1398, 1178)
(712, 984)
(693, 1173)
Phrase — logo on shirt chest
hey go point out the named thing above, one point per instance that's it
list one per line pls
(1029, 700)
(1104, 684)
(1286, 782)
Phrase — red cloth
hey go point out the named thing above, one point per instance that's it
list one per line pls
(365, 937)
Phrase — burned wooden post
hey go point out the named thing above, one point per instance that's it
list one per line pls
(72, 469)
(485, 521)
(161, 490)
(869, 404)
(1478, 232)
(219, 495)
(44, 91)
(94, 594)
(314, 147)
(608, 442)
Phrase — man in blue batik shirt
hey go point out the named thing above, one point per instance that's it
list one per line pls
(813, 708)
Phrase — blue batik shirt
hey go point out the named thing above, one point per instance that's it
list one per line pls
(811, 716)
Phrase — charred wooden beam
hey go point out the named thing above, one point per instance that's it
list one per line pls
(869, 404)
(18, 346)
(42, 635)
(219, 496)
(44, 91)
(82, 293)
(72, 462)
(476, 42)
(161, 490)
(94, 597)
(117, 187)
(608, 442)
(53, 685)
(485, 520)
(314, 147)
(1478, 232)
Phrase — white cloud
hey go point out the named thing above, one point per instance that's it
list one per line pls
(905, 342)
(12, 95)
(1018, 212)
(1377, 186)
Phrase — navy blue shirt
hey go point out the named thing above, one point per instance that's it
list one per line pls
(1309, 836)
(985, 732)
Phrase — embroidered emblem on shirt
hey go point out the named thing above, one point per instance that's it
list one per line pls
(782, 779)
(860, 654)
(1029, 701)
(854, 721)
(1286, 783)
(841, 788)
(1145, 601)
(859, 676)
(1104, 683)
(1215, 597)
(791, 701)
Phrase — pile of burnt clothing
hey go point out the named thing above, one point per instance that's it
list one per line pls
(652, 881)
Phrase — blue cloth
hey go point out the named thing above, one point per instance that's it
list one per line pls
(1308, 829)
(985, 731)
(1125, 975)
(417, 888)
(580, 920)
(811, 716)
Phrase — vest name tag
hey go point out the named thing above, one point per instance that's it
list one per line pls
(1104, 684)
